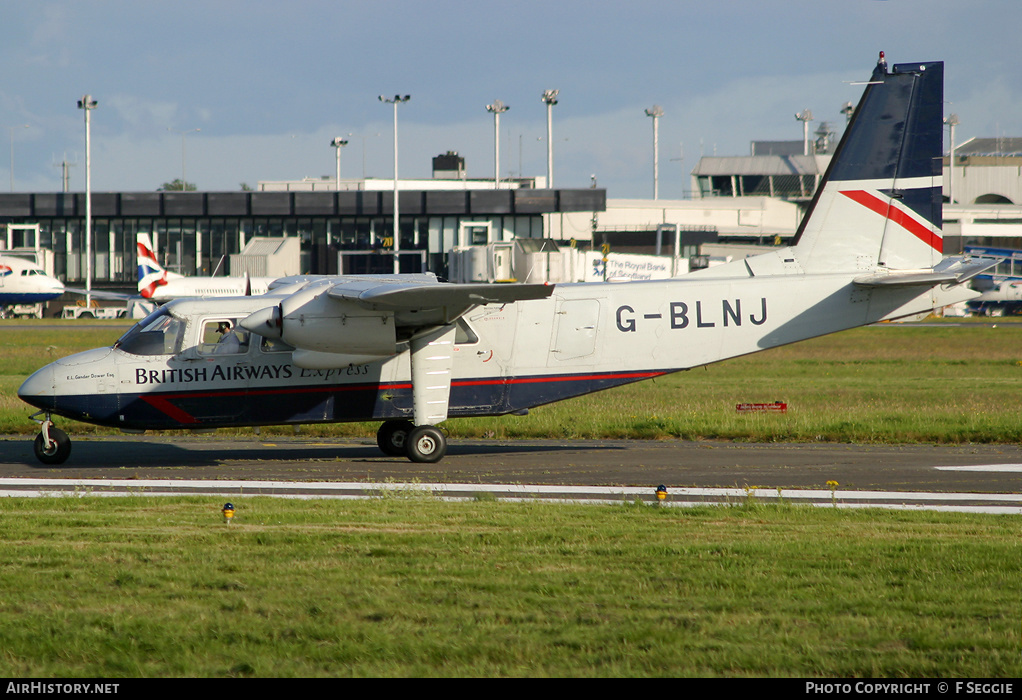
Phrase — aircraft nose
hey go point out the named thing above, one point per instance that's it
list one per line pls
(39, 389)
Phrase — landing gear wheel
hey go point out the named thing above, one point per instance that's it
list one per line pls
(59, 449)
(426, 444)
(392, 437)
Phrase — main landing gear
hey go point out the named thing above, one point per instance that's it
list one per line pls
(431, 361)
(400, 438)
(52, 445)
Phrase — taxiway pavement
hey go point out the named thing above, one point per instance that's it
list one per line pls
(936, 468)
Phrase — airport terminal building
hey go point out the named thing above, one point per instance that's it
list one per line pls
(340, 231)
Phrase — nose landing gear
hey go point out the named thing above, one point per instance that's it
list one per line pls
(52, 445)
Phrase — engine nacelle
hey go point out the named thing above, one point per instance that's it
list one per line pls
(310, 359)
(311, 320)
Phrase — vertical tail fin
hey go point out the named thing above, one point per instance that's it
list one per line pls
(150, 273)
(879, 205)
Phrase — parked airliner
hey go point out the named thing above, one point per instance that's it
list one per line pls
(24, 282)
(160, 285)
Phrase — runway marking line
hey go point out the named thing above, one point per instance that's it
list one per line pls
(1002, 468)
(980, 502)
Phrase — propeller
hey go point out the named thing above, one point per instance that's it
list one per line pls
(268, 322)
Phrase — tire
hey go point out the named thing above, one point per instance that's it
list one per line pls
(60, 450)
(426, 444)
(392, 437)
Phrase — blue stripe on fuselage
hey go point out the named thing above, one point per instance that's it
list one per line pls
(330, 404)
(37, 298)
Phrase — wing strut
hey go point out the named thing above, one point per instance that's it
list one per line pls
(432, 359)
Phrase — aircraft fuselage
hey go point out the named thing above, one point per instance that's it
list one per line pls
(507, 358)
(412, 351)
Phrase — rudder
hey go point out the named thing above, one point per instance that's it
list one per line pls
(879, 205)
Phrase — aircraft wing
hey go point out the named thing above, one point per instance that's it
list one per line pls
(419, 297)
(116, 296)
(950, 271)
(422, 303)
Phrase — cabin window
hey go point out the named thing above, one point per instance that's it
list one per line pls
(464, 335)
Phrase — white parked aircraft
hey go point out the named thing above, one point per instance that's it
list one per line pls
(24, 282)
(412, 352)
(160, 285)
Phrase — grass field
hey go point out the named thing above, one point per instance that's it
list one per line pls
(408, 585)
(412, 586)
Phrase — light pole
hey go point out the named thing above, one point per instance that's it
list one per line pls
(951, 121)
(184, 182)
(398, 99)
(88, 104)
(656, 112)
(339, 143)
(65, 173)
(497, 108)
(12, 128)
(805, 116)
(550, 98)
(848, 109)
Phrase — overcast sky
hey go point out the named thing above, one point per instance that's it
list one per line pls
(270, 83)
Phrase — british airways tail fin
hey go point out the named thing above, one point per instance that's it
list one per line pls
(150, 273)
(879, 205)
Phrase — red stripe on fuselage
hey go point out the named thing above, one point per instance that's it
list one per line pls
(163, 405)
(162, 401)
(884, 209)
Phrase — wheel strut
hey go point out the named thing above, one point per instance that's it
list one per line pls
(52, 445)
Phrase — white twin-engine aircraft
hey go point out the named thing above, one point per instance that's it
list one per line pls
(412, 352)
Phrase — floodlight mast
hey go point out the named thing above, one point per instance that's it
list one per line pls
(339, 143)
(88, 104)
(952, 121)
(550, 98)
(805, 116)
(497, 108)
(398, 99)
(656, 112)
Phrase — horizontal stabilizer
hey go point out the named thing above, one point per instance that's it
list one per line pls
(950, 271)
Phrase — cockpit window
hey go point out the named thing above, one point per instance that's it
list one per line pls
(159, 333)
